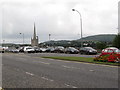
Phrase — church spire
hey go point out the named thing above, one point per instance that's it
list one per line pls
(34, 40)
(34, 36)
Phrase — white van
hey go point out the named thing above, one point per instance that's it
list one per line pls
(29, 49)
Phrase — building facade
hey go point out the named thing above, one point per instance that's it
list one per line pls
(34, 40)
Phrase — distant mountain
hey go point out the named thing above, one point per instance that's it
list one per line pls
(9, 45)
(95, 38)
(101, 38)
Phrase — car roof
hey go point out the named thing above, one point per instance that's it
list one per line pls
(111, 48)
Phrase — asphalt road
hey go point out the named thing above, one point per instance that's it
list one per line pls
(32, 71)
(61, 54)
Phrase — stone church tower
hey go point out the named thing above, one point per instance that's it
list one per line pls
(34, 40)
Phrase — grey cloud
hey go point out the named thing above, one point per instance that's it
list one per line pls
(57, 18)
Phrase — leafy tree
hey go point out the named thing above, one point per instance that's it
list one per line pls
(116, 41)
(101, 45)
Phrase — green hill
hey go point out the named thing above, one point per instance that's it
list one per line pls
(95, 38)
(101, 38)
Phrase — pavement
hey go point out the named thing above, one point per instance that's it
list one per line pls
(32, 71)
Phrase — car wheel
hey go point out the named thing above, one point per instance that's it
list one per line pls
(87, 53)
(81, 53)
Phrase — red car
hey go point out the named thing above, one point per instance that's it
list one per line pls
(110, 54)
(110, 50)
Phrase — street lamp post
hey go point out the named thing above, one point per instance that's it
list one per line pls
(23, 37)
(3, 43)
(49, 36)
(49, 39)
(80, 23)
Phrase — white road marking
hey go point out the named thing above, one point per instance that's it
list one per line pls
(23, 59)
(66, 66)
(74, 87)
(8, 54)
(97, 64)
(67, 85)
(44, 78)
(70, 67)
(65, 61)
(44, 62)
(47, 79)
(91, 70)
(55, 60)
(51, 80)
(70, 86)
(110, 66)
(60, 60)
(41, 62)
(85, 63)
(29, 73)
(17, 69)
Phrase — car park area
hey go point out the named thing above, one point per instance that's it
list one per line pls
(112, 52)
(57, 49)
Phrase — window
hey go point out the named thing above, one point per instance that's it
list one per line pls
(110, 51)
(105, 50)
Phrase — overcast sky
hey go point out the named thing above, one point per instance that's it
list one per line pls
(56, 17)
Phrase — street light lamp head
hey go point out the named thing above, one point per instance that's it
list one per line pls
(73, 9)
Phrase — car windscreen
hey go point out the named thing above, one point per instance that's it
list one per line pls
(29, 48)
(117, 50)
(110, 51)
(72, 48)
(60, 47)
(89, 48)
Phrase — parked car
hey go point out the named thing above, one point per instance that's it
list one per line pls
(12, 50)
(110, 50)
(110, 54)
(15, 51)
(71, 50)
(43, 49)
(37, 49)
(88, 51)
(1, 49)
(50, 49)
(59, 49)
(8, 50)
(29, 49)
(21, 49)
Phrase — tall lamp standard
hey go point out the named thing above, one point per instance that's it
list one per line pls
(3, 43)
(49, 39)
(80, 23)
(23, 36)
(49, 36)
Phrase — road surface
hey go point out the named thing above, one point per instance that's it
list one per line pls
(32, 71)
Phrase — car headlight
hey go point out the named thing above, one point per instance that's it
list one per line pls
(90, 50)
(72, 50)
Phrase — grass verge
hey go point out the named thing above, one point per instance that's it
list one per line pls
(83, 59)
